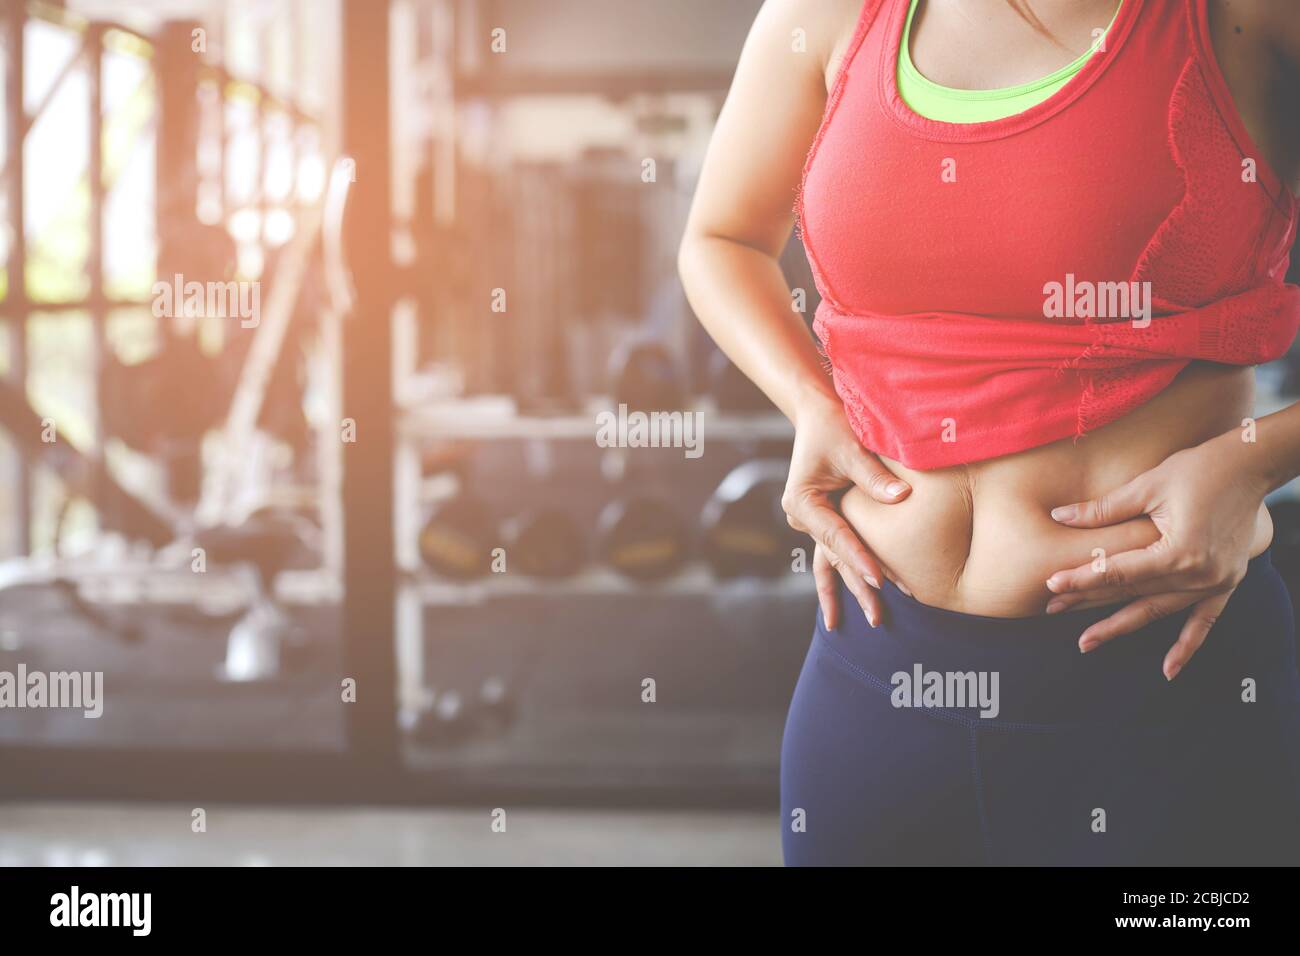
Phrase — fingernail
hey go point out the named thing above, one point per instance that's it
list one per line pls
(895, 488)
(871, 617)
(1053, 583)
(1064, 513)
(1173, 671)
(1087, 646)
(1055, 606)
(872, 581)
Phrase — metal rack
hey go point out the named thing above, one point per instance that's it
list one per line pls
(495, 418)
(433, 409)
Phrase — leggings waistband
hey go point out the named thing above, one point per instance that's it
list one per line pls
(1040, 679)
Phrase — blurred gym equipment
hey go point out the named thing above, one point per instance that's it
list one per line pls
(745, 531)
(209, 374)
(643, 538)
(545, 543)
(167, 405)
(646, 378)
(164, 405)
(119, 509)
(266, 544)
(451, 229)
(458, 538)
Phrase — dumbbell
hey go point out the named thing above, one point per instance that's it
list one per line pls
(643, 538)
(544, 543)
(458, 538)
(745, 533)
(645, 377)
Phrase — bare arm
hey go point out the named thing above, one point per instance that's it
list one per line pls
(739, 223)
(741, 217)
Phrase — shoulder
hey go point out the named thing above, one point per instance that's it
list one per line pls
(823, 29)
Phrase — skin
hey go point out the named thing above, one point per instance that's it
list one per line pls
(1170, 493)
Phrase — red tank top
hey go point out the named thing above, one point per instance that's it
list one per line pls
(991, 287)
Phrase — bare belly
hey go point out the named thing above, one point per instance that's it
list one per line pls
(980, 538)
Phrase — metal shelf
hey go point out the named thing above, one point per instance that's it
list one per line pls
(496, 417)
(694, 580)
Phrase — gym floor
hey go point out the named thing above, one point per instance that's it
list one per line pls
(80, 834)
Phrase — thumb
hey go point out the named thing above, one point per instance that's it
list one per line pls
(866, 471)
(1125, 502)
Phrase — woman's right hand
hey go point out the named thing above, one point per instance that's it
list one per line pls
(827, 459)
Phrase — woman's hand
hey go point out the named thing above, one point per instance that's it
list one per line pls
(1205, 502)
(827, 459)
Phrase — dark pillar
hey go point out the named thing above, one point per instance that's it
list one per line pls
(368, 562)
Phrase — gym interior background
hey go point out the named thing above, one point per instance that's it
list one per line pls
(339, 531)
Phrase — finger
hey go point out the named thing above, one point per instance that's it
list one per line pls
(1101, 596)
(1128, 569)
(827, 599)
(1195, 630)
(1085, 601)
(867, 598)
(871, 606)
(898, 583)
(829, 529)
(866, 471)
(1125, 502)
(1135, 616)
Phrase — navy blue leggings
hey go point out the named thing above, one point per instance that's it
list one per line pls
(1090, 759)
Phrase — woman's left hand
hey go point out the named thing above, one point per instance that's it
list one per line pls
(1205, 502)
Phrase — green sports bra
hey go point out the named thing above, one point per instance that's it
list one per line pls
(929, 99)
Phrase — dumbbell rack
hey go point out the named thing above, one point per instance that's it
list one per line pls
(495, 417)
(585, 247)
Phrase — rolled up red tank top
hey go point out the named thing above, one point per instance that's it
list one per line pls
(991, 287)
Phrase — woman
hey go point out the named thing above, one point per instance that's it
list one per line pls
(1050, 242)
